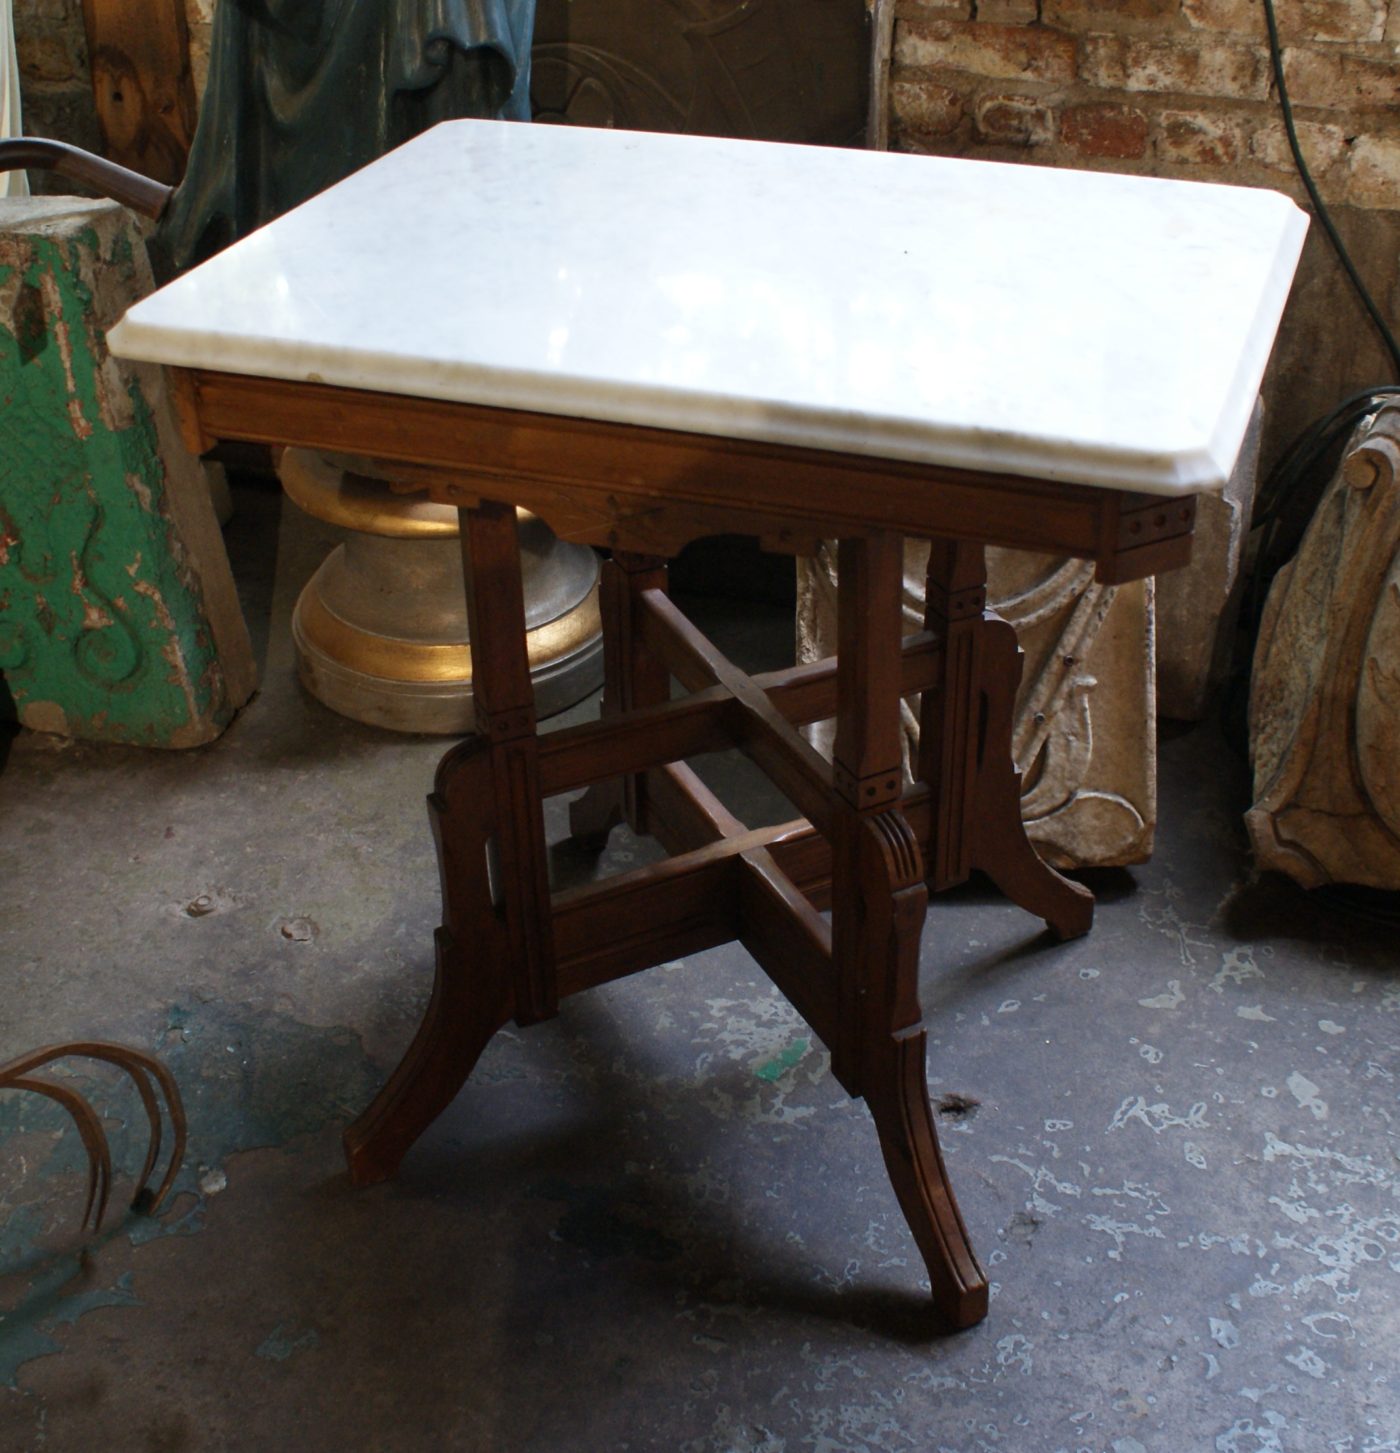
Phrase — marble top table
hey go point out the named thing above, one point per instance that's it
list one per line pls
(1069, 325)
(646, 339)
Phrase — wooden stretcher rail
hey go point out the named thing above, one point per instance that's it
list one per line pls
(793, 765)
(704, 722)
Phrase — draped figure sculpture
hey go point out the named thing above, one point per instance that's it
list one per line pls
(303, 92)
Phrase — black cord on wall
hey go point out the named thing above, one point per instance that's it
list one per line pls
(1324, 217)
(1288, 496)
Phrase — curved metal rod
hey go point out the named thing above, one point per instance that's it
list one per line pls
(93, 1137)
(130, 188)
(137, 1065)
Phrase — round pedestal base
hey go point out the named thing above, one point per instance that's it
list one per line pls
(566, 664)
(381, 629)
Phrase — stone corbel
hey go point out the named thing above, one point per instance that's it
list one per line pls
(1085, 729)
(1325, 694)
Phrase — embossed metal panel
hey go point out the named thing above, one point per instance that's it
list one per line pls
(771, 70)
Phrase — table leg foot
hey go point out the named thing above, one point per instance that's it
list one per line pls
(897, 1094)
(472, 993)
(1000, 847)
(458, 1025)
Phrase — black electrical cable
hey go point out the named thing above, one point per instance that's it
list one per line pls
(1288, 498)
(1324, 217)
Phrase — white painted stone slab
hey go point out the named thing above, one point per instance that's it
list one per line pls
(1104, 329)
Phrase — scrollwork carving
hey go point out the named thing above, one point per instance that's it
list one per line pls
(1325, 692)
(120, 621)
(1084, 734)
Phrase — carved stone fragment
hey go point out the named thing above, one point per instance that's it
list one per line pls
(1325, 694)
(118, 615)
(1197, 607)
(1085, 732)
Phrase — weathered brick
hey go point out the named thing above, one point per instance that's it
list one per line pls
(1002, 52)
(1346, 21)
(1105, 129)
(1243, 17)
(1201, 138)
(1009, 12)
(1130, 14)
(1011, 120)
(936, 9)
(1323, 144)
(926, 107)
(1374, 172)
(1339, 80)
(1326, 21)
(1187, 65)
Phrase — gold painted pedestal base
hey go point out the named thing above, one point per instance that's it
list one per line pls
(381, 629)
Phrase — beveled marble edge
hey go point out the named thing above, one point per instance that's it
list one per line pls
(1195, 465)
(1061, 461)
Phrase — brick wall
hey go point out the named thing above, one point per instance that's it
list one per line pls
(1173, 87)
(1184, 88)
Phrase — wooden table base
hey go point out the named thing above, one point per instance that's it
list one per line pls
(866, 846)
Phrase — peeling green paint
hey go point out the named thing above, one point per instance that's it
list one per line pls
(775, 1068)
(103, 632)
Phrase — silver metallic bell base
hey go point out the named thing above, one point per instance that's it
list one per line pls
(441, 707)
(381, 629)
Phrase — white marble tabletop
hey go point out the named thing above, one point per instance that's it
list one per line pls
(1065, 325)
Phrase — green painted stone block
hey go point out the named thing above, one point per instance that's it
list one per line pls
(118, 616)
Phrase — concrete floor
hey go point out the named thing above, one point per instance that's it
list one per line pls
(656, 1223)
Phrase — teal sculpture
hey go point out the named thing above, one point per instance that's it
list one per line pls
(303, 92)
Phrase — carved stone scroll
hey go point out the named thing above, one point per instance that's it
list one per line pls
(1325, 694)
(1085, 735)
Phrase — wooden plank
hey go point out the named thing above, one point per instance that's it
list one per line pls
(139, 51)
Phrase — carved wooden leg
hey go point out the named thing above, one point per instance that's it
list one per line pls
(878, 906)
(630, 679)
(1000, 847)
(965, 749)
(504, 704)
(471, 996)
(495, 953)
